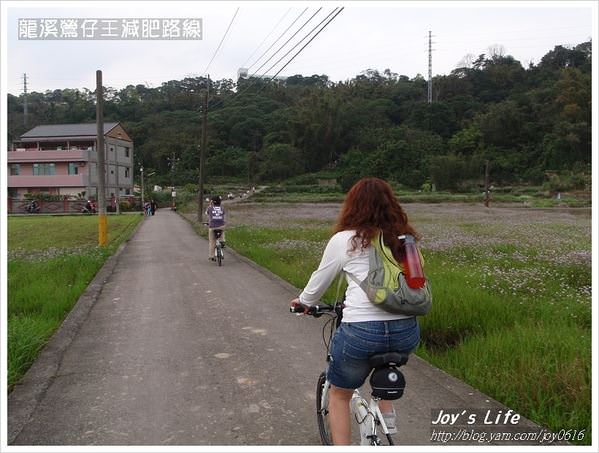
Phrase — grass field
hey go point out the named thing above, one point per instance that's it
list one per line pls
(51, 260)
(512, 291)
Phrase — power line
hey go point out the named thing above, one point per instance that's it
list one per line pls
(219, 103)
(292, 36)
(276, 40)
(252, 83)
(267, 36)
(305, 45)
(221, 41)
(290, 50)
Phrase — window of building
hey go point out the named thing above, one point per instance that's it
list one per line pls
(44, 169)
(73, 168)
(126, 151)
(15, 169)
(127, 191)
(126, 172)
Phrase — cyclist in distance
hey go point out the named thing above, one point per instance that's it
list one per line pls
(369, 206)
(216, 221)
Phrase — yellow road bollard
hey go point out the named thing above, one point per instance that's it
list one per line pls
(102, 230)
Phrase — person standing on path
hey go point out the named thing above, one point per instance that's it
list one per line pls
(369, 207)
(216, 221)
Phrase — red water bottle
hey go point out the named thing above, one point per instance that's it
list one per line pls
(412, 265)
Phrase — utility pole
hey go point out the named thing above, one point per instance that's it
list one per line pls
(118, 189)
(25, 106)
(203, 151)
(487, 194)
(141, 170)
(172, 162)
(430, 68)
(102, 231)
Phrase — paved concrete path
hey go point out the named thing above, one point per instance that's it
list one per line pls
(177, 351)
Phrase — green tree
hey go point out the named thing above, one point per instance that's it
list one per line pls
(231, 161)
(280, 161)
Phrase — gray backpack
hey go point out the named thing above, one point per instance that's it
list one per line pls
(386, 286)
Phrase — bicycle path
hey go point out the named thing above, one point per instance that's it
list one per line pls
(177, 351)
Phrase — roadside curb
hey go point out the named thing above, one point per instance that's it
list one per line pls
(30, 390)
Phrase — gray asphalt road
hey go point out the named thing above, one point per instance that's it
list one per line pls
(177, 351)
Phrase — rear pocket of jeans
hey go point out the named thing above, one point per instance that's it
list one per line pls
(356, 351)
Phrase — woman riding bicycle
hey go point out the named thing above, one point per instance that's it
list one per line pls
(216, 221)
(370, 206)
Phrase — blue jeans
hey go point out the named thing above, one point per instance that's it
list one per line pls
(355, 342)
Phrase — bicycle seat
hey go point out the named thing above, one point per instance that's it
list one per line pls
(388, 358)
(218, 233)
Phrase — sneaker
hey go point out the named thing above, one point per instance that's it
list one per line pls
(391, 422)
(212, 258)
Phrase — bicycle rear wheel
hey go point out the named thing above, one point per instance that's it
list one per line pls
(219, 256)
(322, 409)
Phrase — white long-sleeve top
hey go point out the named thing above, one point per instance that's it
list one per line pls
(338, 256)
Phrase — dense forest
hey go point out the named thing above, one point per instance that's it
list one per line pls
(527, 122)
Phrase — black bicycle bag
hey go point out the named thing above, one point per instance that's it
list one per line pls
(387, 382)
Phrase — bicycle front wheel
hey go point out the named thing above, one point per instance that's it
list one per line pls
(322, 409)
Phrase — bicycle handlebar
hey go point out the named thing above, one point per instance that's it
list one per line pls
(313, 310)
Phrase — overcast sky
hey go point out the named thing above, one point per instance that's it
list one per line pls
(364, 35)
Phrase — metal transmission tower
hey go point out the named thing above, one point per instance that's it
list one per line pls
(25, 107)
(430, 68)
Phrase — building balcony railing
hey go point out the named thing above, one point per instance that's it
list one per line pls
(49, 156)
(63, 155)
(48, 181)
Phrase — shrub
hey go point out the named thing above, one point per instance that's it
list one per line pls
(44, 197)
(125, 206)
(563, 181)
(162, 199)
(453, 171)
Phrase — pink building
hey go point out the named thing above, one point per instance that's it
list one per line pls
(61, 159)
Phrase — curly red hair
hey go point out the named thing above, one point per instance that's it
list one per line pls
(370, 206)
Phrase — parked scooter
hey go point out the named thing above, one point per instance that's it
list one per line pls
(89, 208)
(32, 207)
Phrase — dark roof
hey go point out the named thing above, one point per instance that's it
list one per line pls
(67, 130)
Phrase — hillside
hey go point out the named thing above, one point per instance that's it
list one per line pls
(525, 121)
